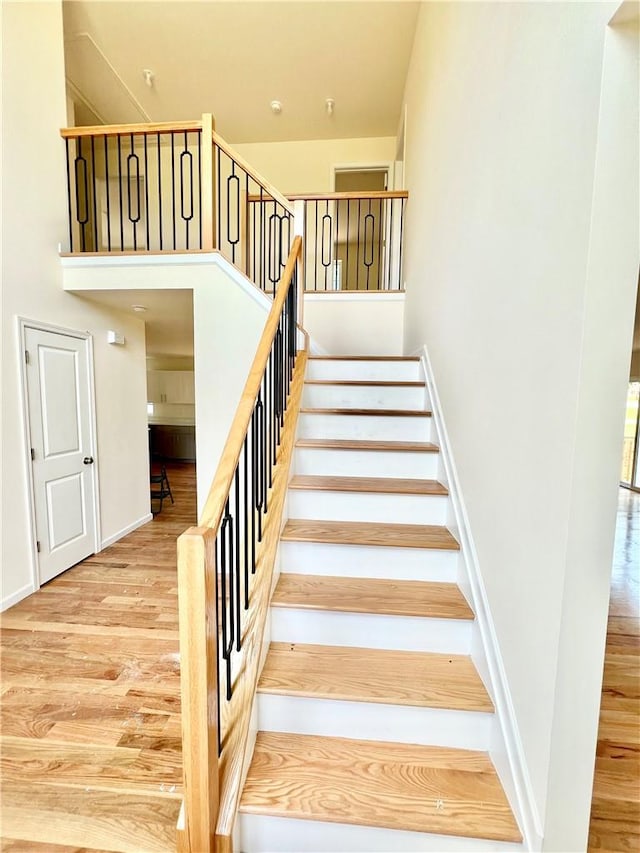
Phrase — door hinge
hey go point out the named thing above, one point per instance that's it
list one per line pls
(26, 357)
(38, 546)
(33, 454)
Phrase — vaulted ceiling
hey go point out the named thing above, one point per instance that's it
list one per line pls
(233, 58)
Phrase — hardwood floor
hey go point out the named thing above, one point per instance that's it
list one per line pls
(615, 808)
(91, 742)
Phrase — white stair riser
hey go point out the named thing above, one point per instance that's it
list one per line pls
(402, 633)
(369, 427)
(367, 561)
(374, 721)
(363, 397)
(365, 463)
(364, 371)
(364, 506)
(261, 834)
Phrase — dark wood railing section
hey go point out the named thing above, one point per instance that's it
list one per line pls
(173, 188)
(225, 575)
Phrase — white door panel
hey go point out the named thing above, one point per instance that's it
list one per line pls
(59, 406)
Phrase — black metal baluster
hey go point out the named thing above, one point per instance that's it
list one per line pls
(254, 491)
(133, 157)
(259, 446)
(216, 584)
(146, 189)
(263, 283)
(238, 591)
(380, 221)
(245, 214)
(358, 250)
(402, 201)
(390, 243)
(106, 181)
(228, 618)
(66, 146)
(186, 157)
(95, 200)
(81, 164)
(346, 272)
(218, 195)
(368, 220)
(264, 441)
(199, 138)
(233, 179)
(160, 192)
(315, 254)
(173, 189)
(120, 192)
(245, 448)
(338, 278)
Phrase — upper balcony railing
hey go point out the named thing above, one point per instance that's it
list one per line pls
(174, 187)
(353, 240)
(179, 187)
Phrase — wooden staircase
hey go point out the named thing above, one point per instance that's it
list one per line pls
(374, 725)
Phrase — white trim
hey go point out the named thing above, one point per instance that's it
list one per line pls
(162, 260)
(355, 296)
(512, 768)
(22, 324)
(126, 530)
(15, 597)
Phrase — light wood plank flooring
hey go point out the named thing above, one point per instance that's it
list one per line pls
(615, 808)
(91, 742)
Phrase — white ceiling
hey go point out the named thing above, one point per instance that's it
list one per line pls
(234, 58)
(168, 319)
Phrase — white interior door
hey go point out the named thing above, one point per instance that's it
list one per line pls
(59, 401)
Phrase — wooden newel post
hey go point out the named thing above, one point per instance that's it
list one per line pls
(208, 186)
(198, 679)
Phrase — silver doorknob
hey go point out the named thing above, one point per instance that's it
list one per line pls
(88, 460)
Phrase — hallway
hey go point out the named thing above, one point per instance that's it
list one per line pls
(615, 810)
(91, 741)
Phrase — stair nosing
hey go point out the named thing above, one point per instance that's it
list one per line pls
(368, 383)
(382, 413)
(350, 486)
(465, 614)
(367, 445)
(481, 704)
(362, 538)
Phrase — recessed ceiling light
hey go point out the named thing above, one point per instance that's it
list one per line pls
(139, 308)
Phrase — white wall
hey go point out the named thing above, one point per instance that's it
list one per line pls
(503, 106)
(229, 314)
(306, 167)
(355, 323)
(33, 223)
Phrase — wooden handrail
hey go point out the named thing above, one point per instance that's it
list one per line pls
(273, 192)
(214, 506)
(347, 196)
(129, 129)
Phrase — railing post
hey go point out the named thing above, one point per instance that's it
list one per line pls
(299, 216)
(208, 187)
(197, 607)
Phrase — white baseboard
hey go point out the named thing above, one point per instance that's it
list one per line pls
(507, 751)
(15, 597)
(125, 531)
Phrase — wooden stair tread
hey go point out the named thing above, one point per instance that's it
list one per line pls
(369, 533)
(393, 785)
(367, 444)
(364, 358)
(374, 675)
(367, 382)
(387, 413)
(374, 485)
(371, 595)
